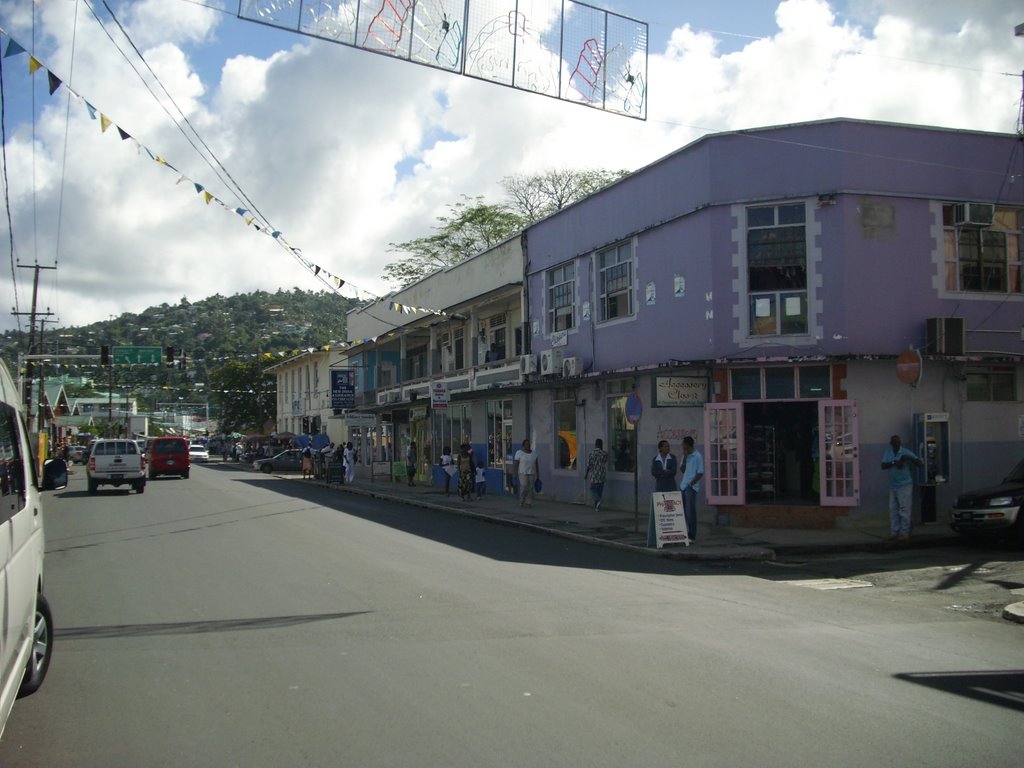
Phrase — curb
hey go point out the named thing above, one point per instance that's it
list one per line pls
(734, 553)
(1014, 612)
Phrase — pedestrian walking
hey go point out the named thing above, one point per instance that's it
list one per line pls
(597, 470)
(350, 462)
(466, 467)
(481, 481)
(448, 468)
(410, 463)
(524, 467)
(307, 462)
(693, 472)
(897, 462)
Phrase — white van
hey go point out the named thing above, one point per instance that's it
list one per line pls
(26, 626)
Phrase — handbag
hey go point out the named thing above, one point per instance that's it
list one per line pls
(537, 485)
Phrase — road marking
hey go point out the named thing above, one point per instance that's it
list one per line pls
(825, 584)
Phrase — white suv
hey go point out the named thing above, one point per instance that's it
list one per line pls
(26, 636)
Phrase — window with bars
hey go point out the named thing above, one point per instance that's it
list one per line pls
(615, 282)
(561, 282)
(986, 259)
(996, 383)
(777, 269)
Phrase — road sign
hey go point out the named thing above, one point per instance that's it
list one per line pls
(137, 355)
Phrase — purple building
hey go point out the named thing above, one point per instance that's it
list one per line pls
(755, 290)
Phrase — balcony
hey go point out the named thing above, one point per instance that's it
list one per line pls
(503, 373)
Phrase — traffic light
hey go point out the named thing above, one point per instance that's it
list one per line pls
(104, 355)
(169, 354)
(305, 425)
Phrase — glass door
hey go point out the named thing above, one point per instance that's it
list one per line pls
(723, 453)
(838, 449)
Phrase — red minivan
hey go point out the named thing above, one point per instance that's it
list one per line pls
(168, 456)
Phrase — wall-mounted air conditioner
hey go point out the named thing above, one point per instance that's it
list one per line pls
(572, 366)
(550, 362)
(945, 336)
(973, 214)
(528, 365)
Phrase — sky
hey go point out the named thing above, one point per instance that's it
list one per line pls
(342, 152)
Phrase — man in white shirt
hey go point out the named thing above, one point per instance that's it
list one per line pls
(525, 468)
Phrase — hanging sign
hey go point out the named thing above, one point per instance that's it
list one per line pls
(343, 392)
(439, 396)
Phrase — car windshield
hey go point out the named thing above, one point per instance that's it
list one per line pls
(1017, 474)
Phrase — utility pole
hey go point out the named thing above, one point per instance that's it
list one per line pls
(27, 381)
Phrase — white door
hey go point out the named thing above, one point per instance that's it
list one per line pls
(723, 454)
(838, 449)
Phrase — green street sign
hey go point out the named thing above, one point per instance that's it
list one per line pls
(137, 355)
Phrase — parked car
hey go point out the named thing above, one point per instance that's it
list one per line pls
(168, 456)
(27, 634)
(198, 452)
(78, 454)
(116, 463)
(290, 460)
(993, 512)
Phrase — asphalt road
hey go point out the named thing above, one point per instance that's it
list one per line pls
(239, 619)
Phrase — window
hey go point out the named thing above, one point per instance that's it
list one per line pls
(781, 383)
(565, 429)
(621, 434)
(561, 296)
(499, 432)
(459, 348)
(993, 384)
(12, 465)
(983, 258)
(615, 281)
(777, 269)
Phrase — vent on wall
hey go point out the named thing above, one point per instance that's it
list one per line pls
(945, 336)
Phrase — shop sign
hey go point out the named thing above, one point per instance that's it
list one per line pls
(673, 391)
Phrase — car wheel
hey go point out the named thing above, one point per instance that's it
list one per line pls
(42, 649)
(93, 485)
(185, 475)
(140, 487)
(266, 468)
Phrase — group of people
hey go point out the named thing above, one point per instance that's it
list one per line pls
(664, 468)
(469, 474)
(331, 454)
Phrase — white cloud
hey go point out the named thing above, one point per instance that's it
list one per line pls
(312, 133)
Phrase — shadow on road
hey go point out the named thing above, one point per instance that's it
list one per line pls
(1004, 688)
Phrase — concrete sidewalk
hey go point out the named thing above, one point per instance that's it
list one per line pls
(627, 529)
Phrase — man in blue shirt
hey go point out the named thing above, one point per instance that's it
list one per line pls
(693, 471)
(897, 461)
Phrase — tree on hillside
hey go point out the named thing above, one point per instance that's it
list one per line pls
(473, 226)
(466, 230)
(246, 395)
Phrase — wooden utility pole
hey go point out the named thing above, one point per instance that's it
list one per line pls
(28, 374)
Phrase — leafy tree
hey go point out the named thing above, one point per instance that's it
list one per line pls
(540, 195)
(470, 227)
(473, 226)
(245, 393)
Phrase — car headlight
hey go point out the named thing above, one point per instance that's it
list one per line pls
(1003, 501)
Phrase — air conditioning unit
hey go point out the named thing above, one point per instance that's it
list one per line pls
(550, 362)
(945, 336)
(572, 366)
(973, 214)
(528, 364)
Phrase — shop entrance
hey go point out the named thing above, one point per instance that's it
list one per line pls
(781, 452)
